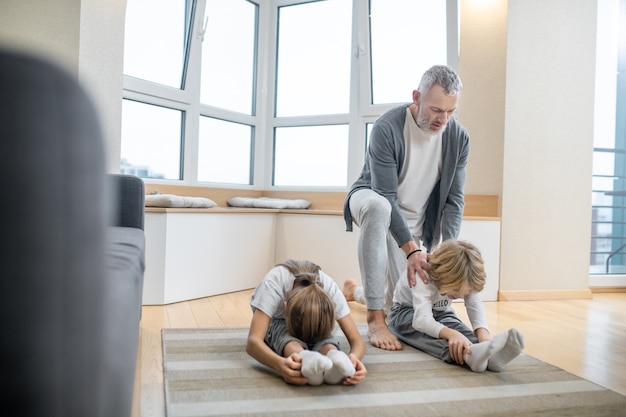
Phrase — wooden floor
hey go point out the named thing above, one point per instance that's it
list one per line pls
(584, 337)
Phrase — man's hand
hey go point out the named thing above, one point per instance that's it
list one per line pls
(417, 264)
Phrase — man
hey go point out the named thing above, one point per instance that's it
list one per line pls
(409, 194)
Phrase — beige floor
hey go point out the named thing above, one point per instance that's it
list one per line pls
(585, 337)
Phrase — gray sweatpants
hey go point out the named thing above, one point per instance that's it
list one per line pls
(277, 338)
(381, 261)
(400, 322)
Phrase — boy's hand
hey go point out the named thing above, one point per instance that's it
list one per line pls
(459, 346)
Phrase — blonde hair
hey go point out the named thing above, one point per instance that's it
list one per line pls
(457, 265)
(310, 311)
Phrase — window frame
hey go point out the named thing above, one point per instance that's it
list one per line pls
(609, 121)
(263, 121)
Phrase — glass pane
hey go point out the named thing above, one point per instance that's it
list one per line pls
(397, 66)
(311, 156)
(313, 69)
(151, 141)
(228, 55)
(603, 184)
(603, 163)
(225, 151)
(155, 40)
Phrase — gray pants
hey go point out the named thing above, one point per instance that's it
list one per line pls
(400, 322)
(277, 338)
(381, 261)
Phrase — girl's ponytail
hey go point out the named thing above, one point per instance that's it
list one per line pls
(310, 311)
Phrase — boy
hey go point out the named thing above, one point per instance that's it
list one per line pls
(423, 317)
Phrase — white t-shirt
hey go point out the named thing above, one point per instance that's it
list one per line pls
(271, 293)
(420, 172)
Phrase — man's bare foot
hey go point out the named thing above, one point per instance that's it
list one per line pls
(379, 334)
(348, 289)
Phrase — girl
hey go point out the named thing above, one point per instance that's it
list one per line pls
(423, 317)
(294, 312)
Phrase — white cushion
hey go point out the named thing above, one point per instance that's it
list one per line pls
(267, 202)
(177, 201)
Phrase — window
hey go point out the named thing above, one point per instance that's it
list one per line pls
(608, 234)
(156, 40)
(156, 52)
(269, 93)
(313, 71)
(225, 152)
(153, 140)
(395, 62)
(311, 155)
(229, 55)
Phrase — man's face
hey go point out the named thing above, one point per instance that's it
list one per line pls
(434, 108)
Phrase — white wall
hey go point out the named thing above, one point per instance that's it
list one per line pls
(101, 64)
(548, 142)
(48, 28)
(482, 68)
(84, 36)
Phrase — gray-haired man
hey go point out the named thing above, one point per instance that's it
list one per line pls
(409, 193)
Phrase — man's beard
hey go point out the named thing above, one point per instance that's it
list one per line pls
(424, 125)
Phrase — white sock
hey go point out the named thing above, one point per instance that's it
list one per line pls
(359, 295)
(478, 359)
(314, 364)
(342, 367)
(511, 350)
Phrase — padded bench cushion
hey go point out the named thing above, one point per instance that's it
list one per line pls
(177, 201)
(267, 202)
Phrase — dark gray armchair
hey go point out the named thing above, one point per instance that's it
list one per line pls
(71, 292)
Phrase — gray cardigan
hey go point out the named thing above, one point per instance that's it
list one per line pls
(382, 168)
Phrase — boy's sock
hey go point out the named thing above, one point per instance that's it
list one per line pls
(352, 292)
(314, 364)
(478, 359)
(511, 350)
(359, 295)
(342, 367)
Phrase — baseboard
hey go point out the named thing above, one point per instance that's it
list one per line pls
(534, 295)
(607, 289)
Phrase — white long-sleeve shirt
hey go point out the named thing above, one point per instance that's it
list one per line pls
(426, 298)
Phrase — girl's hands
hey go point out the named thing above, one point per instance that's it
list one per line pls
(360, 373)
(291, 365)
(290, 370)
